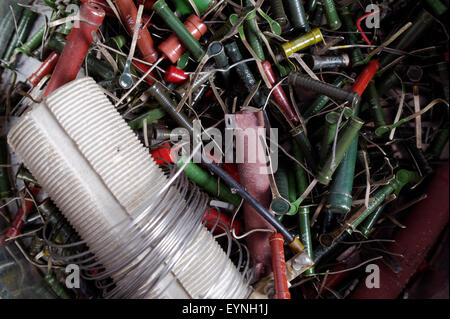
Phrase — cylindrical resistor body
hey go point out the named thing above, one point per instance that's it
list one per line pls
(302, 42)
(351, 38)
(375, 106)
(181, 31)
(76, 48)
(7, 25)
(339, 200)
(175, 75)
(173, 48)
(302, 140)
(279, 13)
(209, 183)
(321, 100)
(327, 62)
(421, 23)
(35, 40)
(21, 216)
(402, 178)
(279, 206)
(330, 127)
(332, 15)
(279, 95)
(212, 217)
(305, 81)
(306, 237)
(23, 29)
(128, 13)
(279, 267)
(344, 141)
(298, 16)
(217, 51)
(251, 32)
(364, 78)
(185, 7)
(244, 72)
(370, 222)
(46, 68)
(437, 7)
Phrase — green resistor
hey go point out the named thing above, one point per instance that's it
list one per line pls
(244, 72)
(306, 237)
(23, 30)
(355, 53)
(437, 7)
(184, 7)
(312, 5)
(292, 188)
(318, 14)
(332, 15)
(56, 286)
(402, 178)
(208, 182)
(345, 139)
(279, 13)
(217, 51)
(331, 121)
(7, 26)
(36, 246)
(150, 116)
(375, 105)
(35, 40)
(279, 206)
(298, 15)
(300, 173)
(367, 226)
(95, 66)
(321, 100)
(251, 33)
(191, 43)
(421, 23)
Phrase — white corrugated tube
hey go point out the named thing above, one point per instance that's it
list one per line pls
(149, 240)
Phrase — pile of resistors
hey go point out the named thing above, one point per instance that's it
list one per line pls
(230, 149)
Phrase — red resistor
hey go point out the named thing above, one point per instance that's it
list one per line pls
(144, 68)
(279, 95)
(21, 217)
(365, 77)
(175, 75)
(128, 13)
(212, 215)
(279, 267)
(163, 154)
(77, 45)
(46, 68)
(172, 48)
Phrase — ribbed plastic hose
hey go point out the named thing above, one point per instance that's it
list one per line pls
(146, 234)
